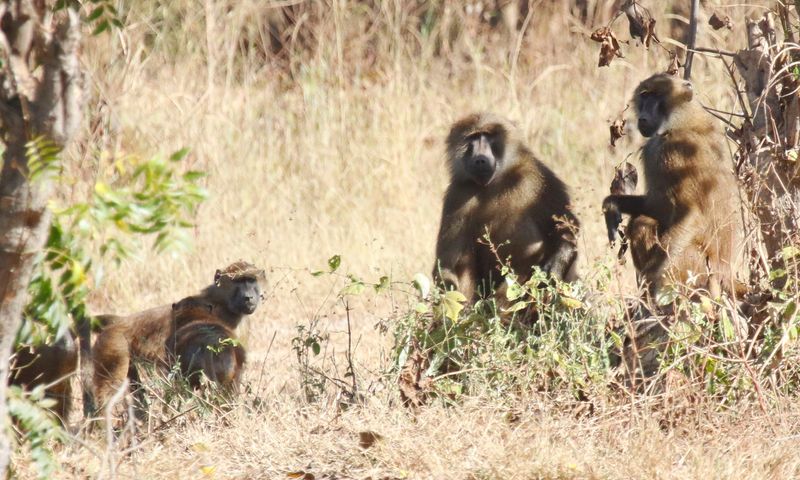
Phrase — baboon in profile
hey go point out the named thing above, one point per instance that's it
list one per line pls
(687, 224)
(498, 187)
(51, 365)
(204, 344)
(144, 336)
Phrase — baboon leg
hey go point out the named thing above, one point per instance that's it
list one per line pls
(140, 406)
(85, 340)
(111, 359)
(561, 264)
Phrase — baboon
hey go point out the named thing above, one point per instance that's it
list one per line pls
(498, 187)
(144, 336)
(687, 223)
(51, 365)
(204, 344)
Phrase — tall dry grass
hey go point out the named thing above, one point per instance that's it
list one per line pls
(344, 156)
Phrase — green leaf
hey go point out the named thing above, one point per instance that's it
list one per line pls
(101, 27)
(790, 252)
(334, 262)
(354, 288)
(316, 348)
(514, 290)
(776, 273)
(517, 307)
(789, 311)
(728, 333)
(383, 284)
(96, 13)
(453, 303)
(193, 175)
(179, 155)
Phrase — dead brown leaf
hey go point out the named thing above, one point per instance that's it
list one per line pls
(625, 179)
(414, 386)
(301, 475)
(641, 23)
(717, 21)
(674, 64)
(601, 34)
(617, 130)
(624, 183)
(368, 438)
(609, 45)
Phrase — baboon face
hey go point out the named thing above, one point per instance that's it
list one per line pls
(244, 293)
(656, 98)
(477, 149)
(484, 151)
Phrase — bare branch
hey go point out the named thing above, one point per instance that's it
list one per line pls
(687, 67)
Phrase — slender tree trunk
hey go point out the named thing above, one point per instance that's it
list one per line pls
(40, 98)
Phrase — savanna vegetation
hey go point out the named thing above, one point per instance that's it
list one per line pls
(307, 137)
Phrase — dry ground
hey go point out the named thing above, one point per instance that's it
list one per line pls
(346, 158)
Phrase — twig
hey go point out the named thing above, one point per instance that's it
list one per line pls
(350, 368)
(168, 421)
(687, 67)
(742, 103)
(711, 50)
(723, 112)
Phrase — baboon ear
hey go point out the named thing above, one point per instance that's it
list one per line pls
(174, 306)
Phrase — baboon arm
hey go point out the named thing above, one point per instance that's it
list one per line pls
(615, 205)
(455, 258)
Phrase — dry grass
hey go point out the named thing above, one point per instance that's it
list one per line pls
(346, 158)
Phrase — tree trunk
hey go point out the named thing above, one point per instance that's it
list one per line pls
(40, 99)
(768, 135)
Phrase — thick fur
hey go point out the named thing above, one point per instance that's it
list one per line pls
(52, 365)
(144, 336)
(687, 225)
(204, 344)
(525, 208)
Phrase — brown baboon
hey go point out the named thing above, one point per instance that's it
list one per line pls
(687, 222)
(51, 365)
(144, 336)
(204, 344)
(498, 187)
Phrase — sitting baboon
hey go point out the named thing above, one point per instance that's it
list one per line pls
(144, 336)
(51, 365)
(498, 187)
(687, 224)
(204, 344)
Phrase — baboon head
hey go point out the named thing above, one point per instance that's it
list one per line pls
(240, 282)
(477, 148)
(657, 100)
(189, 305)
